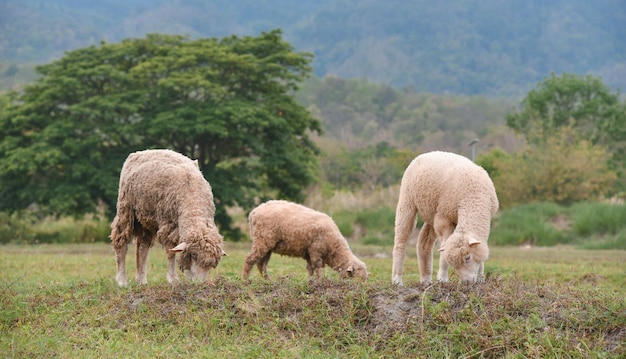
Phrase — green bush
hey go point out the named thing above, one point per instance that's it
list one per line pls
(377, 224)
(380, 219)
(345, 222)
(70, 230)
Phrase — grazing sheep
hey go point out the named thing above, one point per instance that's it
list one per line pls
(164, 197)
(295, 230)
(456, 200)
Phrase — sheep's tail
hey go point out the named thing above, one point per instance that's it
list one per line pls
(122, 228)
(251, 224)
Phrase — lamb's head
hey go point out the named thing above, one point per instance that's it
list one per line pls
(199, 255)
(466, 254)
(355, 268)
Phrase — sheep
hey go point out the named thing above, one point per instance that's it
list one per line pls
(164, 197)
(295, 230)
(456, 200)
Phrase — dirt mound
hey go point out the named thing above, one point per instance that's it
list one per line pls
(496, 311)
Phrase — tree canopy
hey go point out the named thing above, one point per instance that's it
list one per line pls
(226, 102)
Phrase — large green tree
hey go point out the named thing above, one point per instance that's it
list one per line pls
(226, 102)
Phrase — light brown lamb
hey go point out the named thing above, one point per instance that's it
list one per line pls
(456, 200)
(291, 229)
(163, 197)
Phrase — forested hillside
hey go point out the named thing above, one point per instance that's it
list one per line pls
(458, 47)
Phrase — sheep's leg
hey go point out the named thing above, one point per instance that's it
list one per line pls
(119, 240)
(120, 258)
(309, 266)
(405, 222)
(424, 249)
(168, 236)
(172, 275)
(316, 266)
(142, 260)
(251, 259)
(319, 271)
(442, 274)
(481, 273)
(262, 265)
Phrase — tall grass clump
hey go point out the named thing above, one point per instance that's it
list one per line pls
(16, 228)
(535, 224)
(599, 225)
(598, 218)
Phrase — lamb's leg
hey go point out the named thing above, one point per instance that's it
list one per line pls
(262, 265)
(317, 266)
(481, 273)
(251, 259)
(444, 230)
(405, 222)
(442, 274)
(143, 246)
(172, 275)
(424, 249)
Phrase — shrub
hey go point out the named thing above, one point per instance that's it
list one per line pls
(345, 222)
(564, 170)
(70, 230)
(377, 225)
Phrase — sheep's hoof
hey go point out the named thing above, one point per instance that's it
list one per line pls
(122, 282)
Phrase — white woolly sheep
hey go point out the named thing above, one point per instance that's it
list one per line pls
(291, 229)
(456, 199)
(164, 197)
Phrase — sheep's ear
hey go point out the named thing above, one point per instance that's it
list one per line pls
(473, 241)
(224, 254)
(350, 271)
(179, 248)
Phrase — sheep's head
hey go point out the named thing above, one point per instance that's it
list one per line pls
(466, 254)
(199, 256)
(355, 269)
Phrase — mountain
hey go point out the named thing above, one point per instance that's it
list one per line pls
(492, 47)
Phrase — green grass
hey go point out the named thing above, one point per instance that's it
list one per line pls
(60, 300)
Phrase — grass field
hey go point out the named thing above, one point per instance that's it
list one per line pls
(62, 301)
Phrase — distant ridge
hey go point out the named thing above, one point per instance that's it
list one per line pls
(459, 46)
